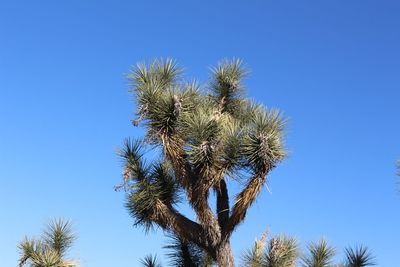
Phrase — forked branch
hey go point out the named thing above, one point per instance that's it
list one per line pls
(244, 200)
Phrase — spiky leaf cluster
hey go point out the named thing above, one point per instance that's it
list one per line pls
(359, 256)
(211, 125)
(254, 256)
(281, 251)
(146, 184)
(50, 249)
(185, 254)
(150, 261)
(226, 86)
(320, 255)
(263, 144)
(181, 254)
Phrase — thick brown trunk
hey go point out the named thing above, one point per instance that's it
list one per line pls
(224, 255)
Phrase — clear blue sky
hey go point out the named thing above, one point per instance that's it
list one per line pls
(332, 66)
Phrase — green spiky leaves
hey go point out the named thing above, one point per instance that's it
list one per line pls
(184, 254)
(150, 261)
(320, 255)
(49, 251)
(254, 256)
(162, 72)
(359, 257)
(143, 195)
(281, 251)
(134, 167)
(59, 236)
(218, 129)
(227, 88)
(160, 99)
(145, 185)
(262, 146)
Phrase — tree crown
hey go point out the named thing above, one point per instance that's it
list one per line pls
(207, 136)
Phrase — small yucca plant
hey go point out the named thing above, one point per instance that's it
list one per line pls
(150, 261)
(320, 255)
(279, 251)
(359, 256)
(50, 249)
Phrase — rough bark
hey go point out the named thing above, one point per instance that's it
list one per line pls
(197, 193)
(205, 215)
(177, 157)
(244, 201)
(224, 256)
(222, 204)
(171, 220)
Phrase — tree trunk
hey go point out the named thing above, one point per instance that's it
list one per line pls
(224, 255)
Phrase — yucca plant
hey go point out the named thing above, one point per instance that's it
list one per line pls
(185, 254)
(279, 251)
(320, 255)
(282, 251)
(207, 137)
(50, 249)
(359, 256)
(254, 256)
(150, 261)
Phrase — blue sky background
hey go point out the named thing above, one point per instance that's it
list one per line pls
(332, 66)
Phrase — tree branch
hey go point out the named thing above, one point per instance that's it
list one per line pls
(196, 190)
(177, 156)
(171, 220)
(222, 203)
(204, 213)
(244, 200)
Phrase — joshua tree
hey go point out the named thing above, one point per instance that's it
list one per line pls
(254, 256)
(282, 251)
(206, 138)
(359, 257)
(320, 255)
(150, 261)
(50, 249)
